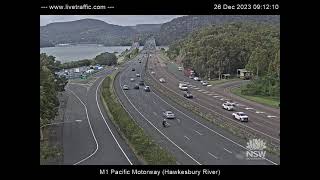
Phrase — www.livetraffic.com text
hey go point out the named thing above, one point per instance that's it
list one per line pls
(76, 7)
(158, 172)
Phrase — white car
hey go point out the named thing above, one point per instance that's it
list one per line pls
(168, 115)
(231, 102)
(227, 106)
(204, 83)
(196, 78)
(241, 116)
(132, 79)
(138, 75)
(180, 68)
(125, 87)
(152, 72)
(162, 80)
(183, 87)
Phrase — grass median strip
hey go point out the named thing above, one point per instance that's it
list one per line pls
(147, 151)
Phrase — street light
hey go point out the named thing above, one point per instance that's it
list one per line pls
(50, 124)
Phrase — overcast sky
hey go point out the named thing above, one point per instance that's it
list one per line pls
(122, 20)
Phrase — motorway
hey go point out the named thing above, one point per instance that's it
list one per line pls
(264, 121)
(190, 138)
(94, 140)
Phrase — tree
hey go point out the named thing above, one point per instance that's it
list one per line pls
(106, 59)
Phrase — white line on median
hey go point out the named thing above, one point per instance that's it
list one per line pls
(108, 125)
(247, 108)
(198, 133)
(94, 137)
(212, 155)
(187, 138)
(227, 150)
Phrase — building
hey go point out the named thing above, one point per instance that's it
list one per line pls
(244, 74)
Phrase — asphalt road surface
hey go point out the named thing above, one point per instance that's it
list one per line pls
(191, 139)
(263, 120)
(94, 140)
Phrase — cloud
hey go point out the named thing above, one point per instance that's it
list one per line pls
(123, 20)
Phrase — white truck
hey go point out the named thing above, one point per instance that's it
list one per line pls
(183, 86)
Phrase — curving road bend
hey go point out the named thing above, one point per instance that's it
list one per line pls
(95, 140)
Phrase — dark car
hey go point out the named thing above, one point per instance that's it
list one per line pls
(139, 61)
(188, 95)
(133, 69)
(147, 88)
(141, 83)
(136, 86)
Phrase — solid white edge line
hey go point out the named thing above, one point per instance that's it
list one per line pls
(227, 150)
(212, 155)
(187, 138)
(108, 125)
(94, 137)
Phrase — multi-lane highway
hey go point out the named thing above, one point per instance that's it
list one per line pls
(263, 121)
(94, 140)
(190, 138)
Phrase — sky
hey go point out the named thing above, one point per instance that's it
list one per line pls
(122, 20)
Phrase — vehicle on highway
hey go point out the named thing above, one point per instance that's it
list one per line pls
(139, 61)
(228, 106)
(183, 86)
(204, 83)
(162, 80)
(147, 88)
(168, 115)
(241, 116)
(138, 75)
(179, 68)
(136, 86)
(152, 72)
(131, 79)
(188, 95)
(141, 82)
(125, 87)
(133, 69)
(230, 102)
(196, 78)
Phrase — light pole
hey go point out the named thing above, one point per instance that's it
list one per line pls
(50, 124)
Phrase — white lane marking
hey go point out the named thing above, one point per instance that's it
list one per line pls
(212, 155)
(205, 92)
(269, 116)
(200, 90)
(198, 133)
(210, 94)
(259, 112)
(240, 105)
(178, 120)
(78, 120)
(94, 137)
(156, 127)
(222, 99)
(209, 85)
(247, 108)
(217, 96)
(154, 102)
(227, 150)
(187, 138)
(196, 88)
(217, 132)
(108, 125)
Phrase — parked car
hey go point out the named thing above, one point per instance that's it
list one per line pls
(162, 80)
(136, 86)
(241, 116)
(133, 69)
(138, 75)
(141, 83)
(125, 87)
(188, 95)
(196, 78)
(168, 115)
(131, 79)
(179, 68)
(228, 106)
(147, 88)
(152, 72)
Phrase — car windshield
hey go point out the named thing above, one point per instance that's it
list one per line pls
(242, 114)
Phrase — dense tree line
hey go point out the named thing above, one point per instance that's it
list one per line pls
(102, 59)
(215, 50)
(50, 85)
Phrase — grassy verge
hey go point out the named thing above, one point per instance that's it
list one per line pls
(143, 146)
(216, 82)
(269, 101)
